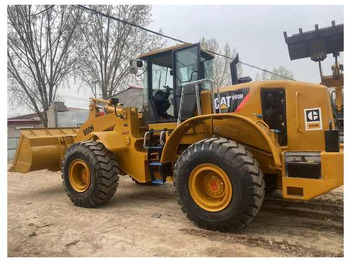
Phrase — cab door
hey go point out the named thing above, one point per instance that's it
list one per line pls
(273, 102)
(186, 68)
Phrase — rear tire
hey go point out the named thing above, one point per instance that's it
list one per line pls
(239, 177)
(89, 174)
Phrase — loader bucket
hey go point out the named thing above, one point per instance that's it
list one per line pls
(42, 148)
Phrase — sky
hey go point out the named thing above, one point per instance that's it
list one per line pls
(256, 32)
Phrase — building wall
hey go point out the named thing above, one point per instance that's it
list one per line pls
(132, 97)
(13, 134)
(72, 118)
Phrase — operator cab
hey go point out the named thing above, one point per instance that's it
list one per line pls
(165, 71)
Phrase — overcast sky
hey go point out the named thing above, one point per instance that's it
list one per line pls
(256, 32)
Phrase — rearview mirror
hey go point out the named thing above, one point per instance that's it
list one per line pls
(134, 66)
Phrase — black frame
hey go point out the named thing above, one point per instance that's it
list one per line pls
(149, 83)
(149, 93)
(200, 73)
(148, 60)
(279, 89)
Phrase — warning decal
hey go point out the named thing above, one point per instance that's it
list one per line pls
(313, 119)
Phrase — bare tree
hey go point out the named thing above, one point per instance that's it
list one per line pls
(40, 42)
(283, 73)
(221, 65)
(110, 45)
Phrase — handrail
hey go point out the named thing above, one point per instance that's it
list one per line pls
(199, 110)
(196, 84)
(297, 111)
(162, 137)
(145, 140)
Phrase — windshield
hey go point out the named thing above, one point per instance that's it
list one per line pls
(186, 64)
(161, 77)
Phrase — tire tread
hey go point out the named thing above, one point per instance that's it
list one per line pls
(106, 172)
(253, 179)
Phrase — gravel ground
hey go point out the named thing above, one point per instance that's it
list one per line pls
(142, 221)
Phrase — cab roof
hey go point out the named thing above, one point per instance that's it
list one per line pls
(169, 50)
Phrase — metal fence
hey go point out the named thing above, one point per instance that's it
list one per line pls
(12, 143)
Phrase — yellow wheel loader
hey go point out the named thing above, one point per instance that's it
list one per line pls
(222, 146)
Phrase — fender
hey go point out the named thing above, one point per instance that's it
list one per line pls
(239, 128)
(111, 140)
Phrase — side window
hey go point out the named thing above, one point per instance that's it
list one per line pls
(162, 91)
(274, 111)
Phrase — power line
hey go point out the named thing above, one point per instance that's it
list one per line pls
(252, 66)
(175, 39)
(131, 24)
(42, 11)
(265, 70)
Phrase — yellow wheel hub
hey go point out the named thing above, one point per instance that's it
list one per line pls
(79, 175)
(210, 187)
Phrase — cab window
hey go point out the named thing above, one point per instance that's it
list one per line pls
(162, 91)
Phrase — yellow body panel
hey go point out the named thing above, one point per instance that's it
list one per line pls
(232, 126)
(332, 171)
(299, 96)
(123, 138)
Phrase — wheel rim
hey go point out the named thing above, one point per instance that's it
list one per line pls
(79, 175)
(210, 187)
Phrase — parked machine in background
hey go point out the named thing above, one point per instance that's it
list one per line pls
(217, 144)
(317, 44)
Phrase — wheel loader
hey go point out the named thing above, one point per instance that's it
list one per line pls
(223, 147)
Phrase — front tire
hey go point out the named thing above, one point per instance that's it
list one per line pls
(219, 184)
(89, 174)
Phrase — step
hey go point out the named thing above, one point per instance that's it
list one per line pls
(155, 147)
(157, 182)
(155, 164)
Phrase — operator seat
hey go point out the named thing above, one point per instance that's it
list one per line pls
(161, 102)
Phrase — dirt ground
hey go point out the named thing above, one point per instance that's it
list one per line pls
(147, 221)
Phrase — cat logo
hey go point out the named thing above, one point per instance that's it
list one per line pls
(231, 101)
(224, 107)
(313, 119)
(224, 103)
